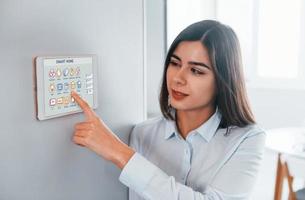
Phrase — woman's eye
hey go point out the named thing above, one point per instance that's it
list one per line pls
(174, 63)
(196, 71)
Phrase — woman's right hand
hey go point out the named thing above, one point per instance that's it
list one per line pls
(94, 134)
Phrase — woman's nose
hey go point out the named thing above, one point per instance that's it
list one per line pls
(179, 77)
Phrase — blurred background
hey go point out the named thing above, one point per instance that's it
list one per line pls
(271, 34)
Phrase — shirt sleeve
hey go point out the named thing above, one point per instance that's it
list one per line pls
(234, 181)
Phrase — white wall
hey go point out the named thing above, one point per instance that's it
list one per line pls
(278, 107)
(38, 160)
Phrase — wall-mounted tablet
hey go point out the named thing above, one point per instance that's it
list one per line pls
(57, 76)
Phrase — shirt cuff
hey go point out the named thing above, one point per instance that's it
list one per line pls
(138, 173)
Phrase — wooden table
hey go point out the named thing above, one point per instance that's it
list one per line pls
(288, 141)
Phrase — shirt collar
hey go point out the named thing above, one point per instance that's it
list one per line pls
(170, 129)
(207, 130)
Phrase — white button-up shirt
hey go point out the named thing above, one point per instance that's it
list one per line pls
(206, 165)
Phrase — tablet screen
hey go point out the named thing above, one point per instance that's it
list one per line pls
(61, 76)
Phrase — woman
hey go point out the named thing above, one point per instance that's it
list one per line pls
(206, 145)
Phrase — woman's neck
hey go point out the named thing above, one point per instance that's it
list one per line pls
(190, 120)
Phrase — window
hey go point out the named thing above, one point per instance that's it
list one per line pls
(181, 13)
(278, 38)
(271, 35)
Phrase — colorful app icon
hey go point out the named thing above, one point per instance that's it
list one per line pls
(59, 86)
(66, 86)
(58, 73)
(72, 71)
(52, 87)
(77, 71)
(52, 73)
(66, 100)
(52, 102)
(66, 72)
(79, 84)
(59, 100)
(72, 85)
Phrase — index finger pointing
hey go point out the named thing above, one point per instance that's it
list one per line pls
(89, 113)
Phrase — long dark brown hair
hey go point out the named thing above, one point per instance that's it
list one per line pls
(225, 56)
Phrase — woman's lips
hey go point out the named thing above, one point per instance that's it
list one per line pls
(178, 95)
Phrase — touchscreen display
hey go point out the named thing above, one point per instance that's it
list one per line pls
(60, 77)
